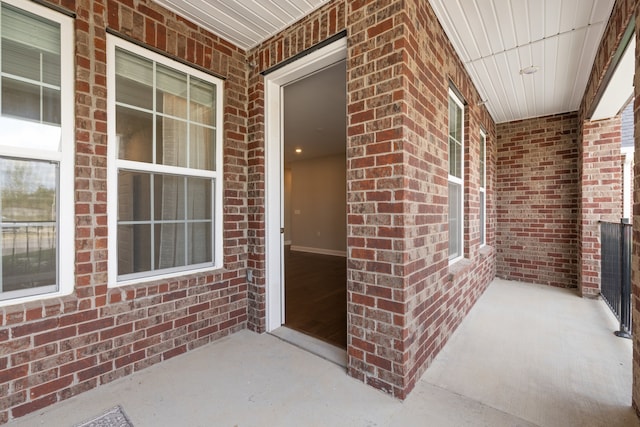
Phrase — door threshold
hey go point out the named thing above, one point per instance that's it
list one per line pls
(313, 345)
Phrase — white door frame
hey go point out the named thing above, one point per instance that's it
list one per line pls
(274, 211)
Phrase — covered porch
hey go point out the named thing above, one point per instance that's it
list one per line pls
(525, 355)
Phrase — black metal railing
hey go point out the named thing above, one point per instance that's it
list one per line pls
(615, 273)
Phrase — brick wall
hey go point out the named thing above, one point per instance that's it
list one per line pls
(438, 295)
(635, 263)
(623, 11)
(600, 195)
(56, 348)
(537, 210)
(403, 301)
(589, 133)
(309, 31)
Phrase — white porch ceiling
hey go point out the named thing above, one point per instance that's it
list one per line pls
(245, 23)
(497, 38)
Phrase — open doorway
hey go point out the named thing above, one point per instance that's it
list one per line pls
(314, 154)
(305, 192)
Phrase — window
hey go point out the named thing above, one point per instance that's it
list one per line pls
(483, 190)
(165, 192)
(36, 152)
(456, 182)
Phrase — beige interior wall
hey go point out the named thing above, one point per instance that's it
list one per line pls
(319, 205)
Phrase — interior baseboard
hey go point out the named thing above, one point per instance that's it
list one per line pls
(320, 251)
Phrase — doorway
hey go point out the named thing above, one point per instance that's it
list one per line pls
(315, 204)
(305, 164)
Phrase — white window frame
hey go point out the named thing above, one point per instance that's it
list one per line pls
(115, 164)
(458, 180)
(483, 188)
(64, 156)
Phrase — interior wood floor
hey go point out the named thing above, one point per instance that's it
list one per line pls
(316, 295)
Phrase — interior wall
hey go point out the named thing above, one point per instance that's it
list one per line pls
(318, 207)
(537, 186)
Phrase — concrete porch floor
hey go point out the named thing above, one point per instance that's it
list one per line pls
(525, 355)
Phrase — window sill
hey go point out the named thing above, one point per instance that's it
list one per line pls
(486, 251)
(152, 280)
(459, 268)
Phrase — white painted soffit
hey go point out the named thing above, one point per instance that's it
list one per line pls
(496, 39)
(244, 23)
(620, 88)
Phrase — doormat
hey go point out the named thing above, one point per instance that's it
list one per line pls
(114, 417)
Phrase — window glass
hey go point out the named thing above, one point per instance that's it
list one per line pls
(483, 143)
(35, 156)
(454, 219)
(483, 173)
(482, 219)
(134, 80)
(166, 133)
(135, 134)
(172, 141)
(456, 184)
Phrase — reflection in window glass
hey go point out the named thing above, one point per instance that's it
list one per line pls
(28, 198)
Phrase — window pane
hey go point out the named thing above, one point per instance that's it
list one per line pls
(28, 256)
(482, 220)
(172, 142)
(199, 198)
(455, 218)
(30, 46)
(29, 214)
(20, 99)
(134, 131)
(134, 248)
(171, 93)
(455, 158)
(168, 197)
(134, 80)
(483, 143)
(452, 118)
(202, 148)
(203, 101)
(199, 249)
(21, 60)
(134, 203)
(51, 68)
(28, 191)
(32, 30)
(169, 247)
(51, 106)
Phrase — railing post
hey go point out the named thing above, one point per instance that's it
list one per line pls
(625, 283)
